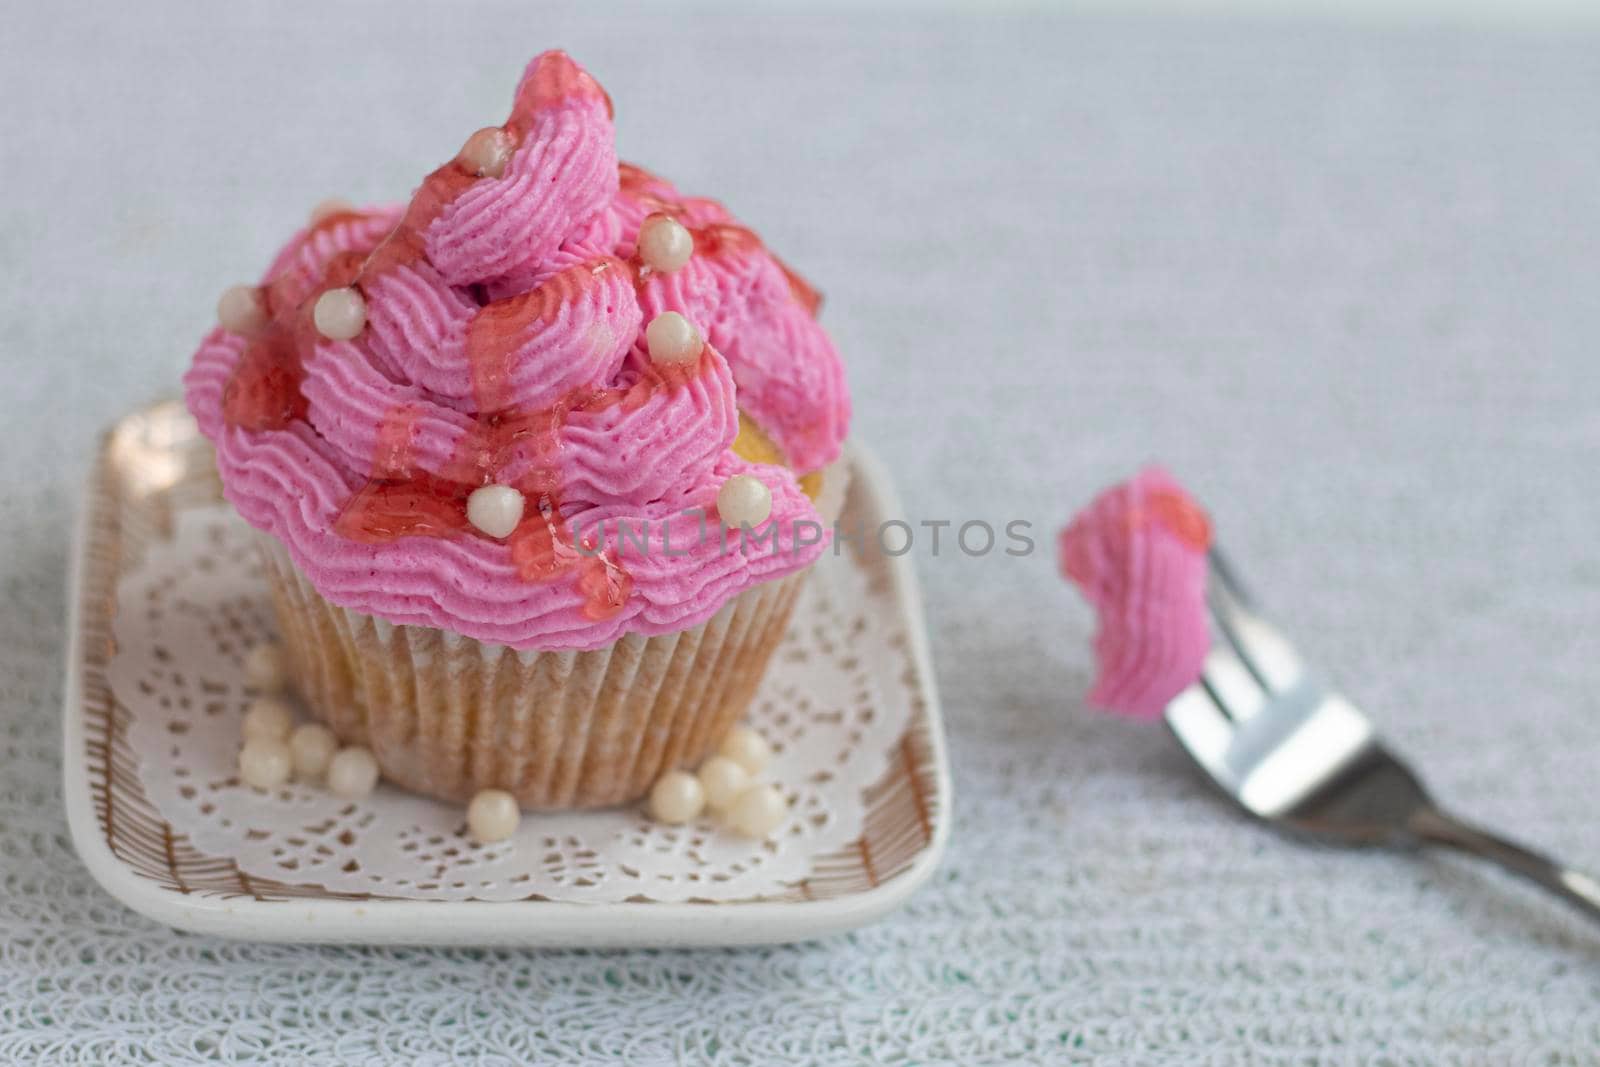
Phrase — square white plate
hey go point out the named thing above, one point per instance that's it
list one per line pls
(152, 464)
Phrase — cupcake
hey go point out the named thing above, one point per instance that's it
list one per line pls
(538, 460)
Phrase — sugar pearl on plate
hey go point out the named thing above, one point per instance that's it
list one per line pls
(264, 668)
(744, 500)
(495, 509)
(492, 816)
(241, 310)
(268, 718)
(677, 797)
(329, 208)
(340, 314)
(264, 763)
(665, 244)
(352, 772)
(746, 748)
(722, 780)
(487, 152)
(758, 811)
(312, 746)
(672, 338)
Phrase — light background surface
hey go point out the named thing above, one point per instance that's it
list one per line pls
(1340, 279)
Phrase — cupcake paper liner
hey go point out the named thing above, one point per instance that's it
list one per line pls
(447, 715)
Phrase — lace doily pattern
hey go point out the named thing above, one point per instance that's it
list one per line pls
(836, 705)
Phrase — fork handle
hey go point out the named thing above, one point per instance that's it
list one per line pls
(1434, 827)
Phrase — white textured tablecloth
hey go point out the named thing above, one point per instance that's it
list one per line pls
(1342, 281)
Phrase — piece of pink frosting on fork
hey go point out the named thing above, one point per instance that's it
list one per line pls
(1138, 553)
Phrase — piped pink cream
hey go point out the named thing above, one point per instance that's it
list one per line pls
(1138, 553)
(503, 344)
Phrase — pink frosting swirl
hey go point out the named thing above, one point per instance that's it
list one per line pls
(1138, 553)
(503, 344)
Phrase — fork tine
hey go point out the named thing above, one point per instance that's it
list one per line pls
(1263, 650)
(1205, 732)
(1225, 578)
(1231, 684)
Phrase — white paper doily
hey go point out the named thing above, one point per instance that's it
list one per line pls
(189, 612)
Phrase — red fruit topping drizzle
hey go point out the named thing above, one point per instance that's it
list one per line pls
(1178, 513)
(263, 393)
(718, 238)
(635, 180)
(399, 500)
(420, 506)
(542, 551)
(500, 327)
(555, 79)
(803, 290)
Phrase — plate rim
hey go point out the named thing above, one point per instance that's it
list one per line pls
(568, 924)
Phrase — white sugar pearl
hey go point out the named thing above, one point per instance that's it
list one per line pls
(746, 748)
(265, 669)
(665, 244)
(340, 314)
(744, 500)
(268, 718)
(329, 208)
(722, 780)
(492, 816)
(758, 811)
(495, 509)
(312, 746)
(677, 797)
(264, 763)
(487, 152)
(352, 772)
(241, 310)
(672, 338)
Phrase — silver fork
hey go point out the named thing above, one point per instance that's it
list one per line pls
(1293, 752)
